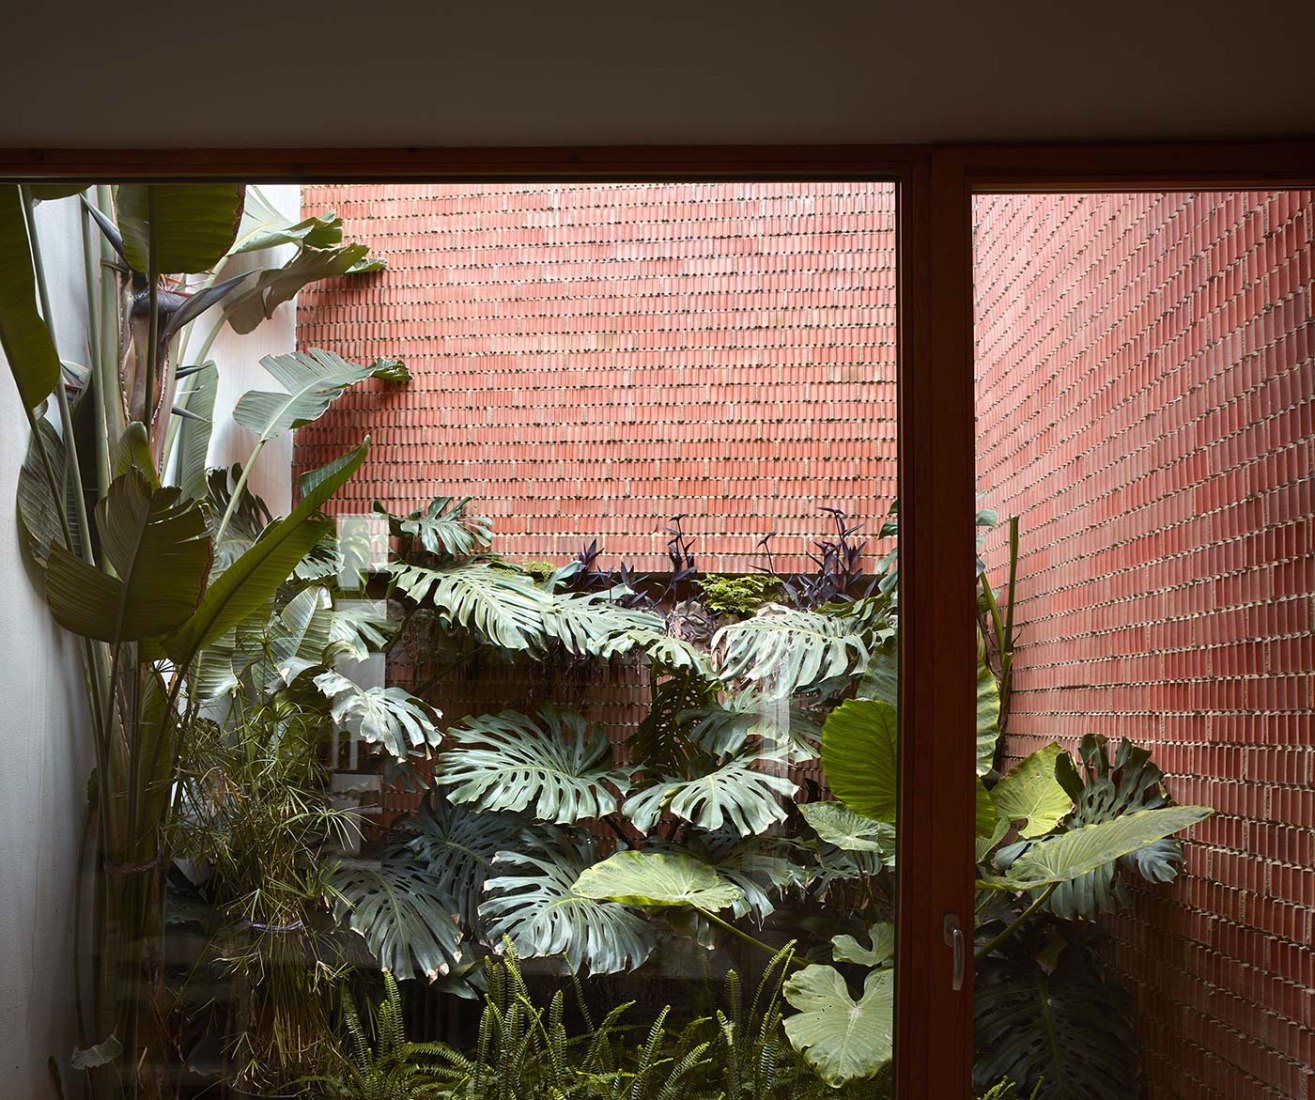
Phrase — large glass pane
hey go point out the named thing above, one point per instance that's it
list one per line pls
(1144, 379)
(567, 739)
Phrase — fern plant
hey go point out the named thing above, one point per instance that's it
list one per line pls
(390, 1067)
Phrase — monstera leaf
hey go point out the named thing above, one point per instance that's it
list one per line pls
(504, 607)
(389, 717)
(1104, 790)
(843, 1039)
(190, 226)
(859, 740)
(28, 346)
(313, 380)
(1031, 792)
(1076, 853)
(1064, 1027)
(160, 552)
(657, 880)
(558, 767)
(442, 527)
(745, 792)
(880, 948)
(291, 642)
(458, 845)
(785, 651)
(407, 920)
(725, 725)
(592, 624)
(670, 654)
(357, 628)
(533, 904)
(837, 824)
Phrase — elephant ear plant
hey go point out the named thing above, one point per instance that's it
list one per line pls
(133, 560)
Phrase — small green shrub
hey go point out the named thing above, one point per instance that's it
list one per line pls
(739, 596)
(539, 570)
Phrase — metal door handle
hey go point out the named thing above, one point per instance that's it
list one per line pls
(953, 936)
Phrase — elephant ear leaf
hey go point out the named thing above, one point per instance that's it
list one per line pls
(1031, 793)
(843, 1039)
(859, 740)
(1079, 852)
(657, 880)
(192, 225)
(160, 553)
(25, 337)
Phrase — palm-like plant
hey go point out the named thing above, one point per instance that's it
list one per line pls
(150, 585)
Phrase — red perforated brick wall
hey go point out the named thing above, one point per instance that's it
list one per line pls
(591, 359)
(1145, 391)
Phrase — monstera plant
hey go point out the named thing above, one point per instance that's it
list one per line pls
(121, 524)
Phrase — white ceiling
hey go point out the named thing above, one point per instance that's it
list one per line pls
(534, 72)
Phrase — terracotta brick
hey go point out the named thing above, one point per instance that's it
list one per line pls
(1144, 382)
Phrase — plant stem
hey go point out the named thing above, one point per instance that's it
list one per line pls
(1015, 924)
(237, 490)
(153, 341)
(739, 933)
(90, 256)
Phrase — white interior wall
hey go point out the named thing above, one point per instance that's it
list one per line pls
(44, 732)
(45, 737)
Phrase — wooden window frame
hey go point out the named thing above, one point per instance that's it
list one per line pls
(936, 439)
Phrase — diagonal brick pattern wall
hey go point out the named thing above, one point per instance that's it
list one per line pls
(1146, 374)
(592, 359)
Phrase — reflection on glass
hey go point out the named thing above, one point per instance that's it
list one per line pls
(545, 746)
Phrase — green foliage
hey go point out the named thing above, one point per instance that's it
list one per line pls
(389, 1068)
(739, 596)
(402, 912)
(443, 528)
(1030, 793)
(1057, 1027)
(746, 792)
(859, 741)
(656, 880)
(1088, 848)
(541, 571)
(534, 904)
(24, 334)
(1102, 791)
(178, 228)
(388, 717)
(785, 652)
(498, 606)
(843, 1039)
(312, 381)
(558, 766)
(160, 553)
